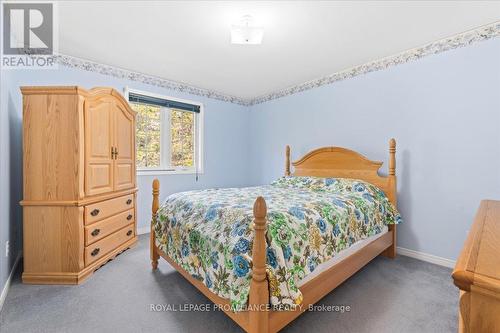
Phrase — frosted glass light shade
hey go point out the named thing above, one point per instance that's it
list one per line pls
(246, 35)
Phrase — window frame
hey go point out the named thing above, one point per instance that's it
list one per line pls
(165, 134)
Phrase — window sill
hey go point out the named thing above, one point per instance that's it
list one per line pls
(167, 172)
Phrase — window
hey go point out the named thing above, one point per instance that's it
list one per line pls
(168, 133)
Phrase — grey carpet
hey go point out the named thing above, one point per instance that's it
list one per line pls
(400, 295)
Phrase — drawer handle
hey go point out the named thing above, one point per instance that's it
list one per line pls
(95, 232)
(129, 217)
(129, 201)
(95, 212)
(95, 252)
(129, 232)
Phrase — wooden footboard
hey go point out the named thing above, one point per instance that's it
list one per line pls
(324, 162)
(258, 300)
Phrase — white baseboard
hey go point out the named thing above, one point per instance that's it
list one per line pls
(6, 288)
(426, 257)
(143, 230)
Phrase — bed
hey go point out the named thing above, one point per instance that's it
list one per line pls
(264, 267)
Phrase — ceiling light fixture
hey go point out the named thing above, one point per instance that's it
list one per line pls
(246, 32)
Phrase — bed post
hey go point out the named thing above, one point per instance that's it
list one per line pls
(259, 289)
(392, 157)
(156, 204)
(287, 163)
(391, 251)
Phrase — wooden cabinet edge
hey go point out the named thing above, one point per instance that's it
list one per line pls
(76, 277)
(463, 279)
(84, 202)
(463, 275)
(479, 301)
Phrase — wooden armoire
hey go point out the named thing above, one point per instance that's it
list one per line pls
(79, 202)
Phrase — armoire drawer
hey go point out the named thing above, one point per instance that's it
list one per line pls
(108, 244)
(101, 229)
(104, 209)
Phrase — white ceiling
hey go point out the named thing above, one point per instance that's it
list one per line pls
(188, 41)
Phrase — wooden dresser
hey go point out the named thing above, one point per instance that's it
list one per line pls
(477, 272)
(79, 202)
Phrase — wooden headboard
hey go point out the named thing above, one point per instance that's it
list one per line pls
(344, 163)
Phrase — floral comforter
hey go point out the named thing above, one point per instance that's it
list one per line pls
(209, 233)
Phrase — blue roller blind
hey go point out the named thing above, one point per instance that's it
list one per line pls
(137, 98)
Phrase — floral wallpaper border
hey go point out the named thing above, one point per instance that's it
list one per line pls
(442, 45)
(87, 65)
(460, 40)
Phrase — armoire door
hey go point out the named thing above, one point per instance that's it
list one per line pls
(124, 172)
(99, 136)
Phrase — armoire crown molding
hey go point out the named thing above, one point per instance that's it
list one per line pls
(459, 40)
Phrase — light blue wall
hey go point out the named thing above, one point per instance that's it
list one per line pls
(444, 111)
(226, 146)
(10, 178)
